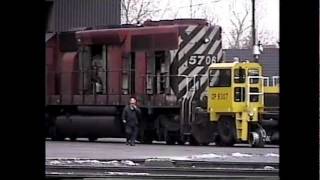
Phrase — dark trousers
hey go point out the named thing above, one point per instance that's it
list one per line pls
(131, 132)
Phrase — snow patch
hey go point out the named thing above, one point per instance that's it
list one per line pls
(86, 161)
(271, 155)
(206, 156)
(55, 162)
(127, 162)
(60, 173)
(193, 157)
(170, 158)
(127, 173)
(179, 158)
(114, 162)
(241, 155)
(268, 167)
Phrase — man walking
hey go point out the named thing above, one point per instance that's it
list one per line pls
(130, 117)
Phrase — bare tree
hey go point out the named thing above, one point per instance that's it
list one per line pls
(266, 37)
(204, 10)
(133, 11)
(240, 34)
(208, 14)
(165, 10)
(240, 28)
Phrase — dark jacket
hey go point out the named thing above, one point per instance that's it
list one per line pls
(131, 116)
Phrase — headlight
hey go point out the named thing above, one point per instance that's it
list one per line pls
(206, 40)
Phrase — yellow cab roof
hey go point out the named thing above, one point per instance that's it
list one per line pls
(234, 64)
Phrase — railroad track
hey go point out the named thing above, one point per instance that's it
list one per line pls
(178, 170)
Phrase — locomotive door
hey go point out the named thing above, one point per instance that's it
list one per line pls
(93, 69)
(128, 74)
(158, 73)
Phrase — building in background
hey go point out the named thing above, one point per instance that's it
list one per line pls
(63, 15)
(269, 58)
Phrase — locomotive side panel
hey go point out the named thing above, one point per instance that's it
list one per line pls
(114, 73)
(140, 72)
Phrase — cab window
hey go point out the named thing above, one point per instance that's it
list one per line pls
(252, 73)
(219, 77)
(239, 75)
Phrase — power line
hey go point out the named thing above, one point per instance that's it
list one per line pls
(193, 5)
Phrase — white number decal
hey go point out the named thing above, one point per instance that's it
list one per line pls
(193, 60)
(208, 60)
(214, 59)
(202, 60)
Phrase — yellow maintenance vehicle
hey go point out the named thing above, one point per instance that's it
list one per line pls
(239, 104)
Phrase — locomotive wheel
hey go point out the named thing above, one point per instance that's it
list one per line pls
(170, 140)
(275, 138)
(226, 132)
(147, 141)
(147, 137)
(92, 139)
(73, 138)
(58, 138)
(193, 141)
(55, 135)
(180, 141)
(259, 143)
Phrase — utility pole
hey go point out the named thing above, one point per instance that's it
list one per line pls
(253, 24)
(256, 48)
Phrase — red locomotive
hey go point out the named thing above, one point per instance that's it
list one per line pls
(92, 72)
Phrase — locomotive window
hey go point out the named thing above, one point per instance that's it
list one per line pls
(239, 94)
(253, 72)
(220, 78)
(239, 75)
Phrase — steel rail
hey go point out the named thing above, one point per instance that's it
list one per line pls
(74, 171)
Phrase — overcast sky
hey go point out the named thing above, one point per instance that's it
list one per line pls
(267, 12)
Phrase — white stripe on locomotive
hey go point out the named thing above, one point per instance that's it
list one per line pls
(214, 47)
(190, 29)
(219, 56)
(191, 43)
(204, 46)
(195, 71)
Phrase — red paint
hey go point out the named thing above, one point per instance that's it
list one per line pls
(77, 100)
(104, 36)
(51, 65)
(101, 100)
(141, 69)
(69, 78)
(50, 70)
(114, 67)
(176, 22)
(140, 38)
(89, 100)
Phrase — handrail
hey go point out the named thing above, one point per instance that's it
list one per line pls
(274, 81)
(261, 93)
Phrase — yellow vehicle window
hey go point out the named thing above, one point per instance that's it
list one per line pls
(220, 78)
(252, 73)
(239, 75)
